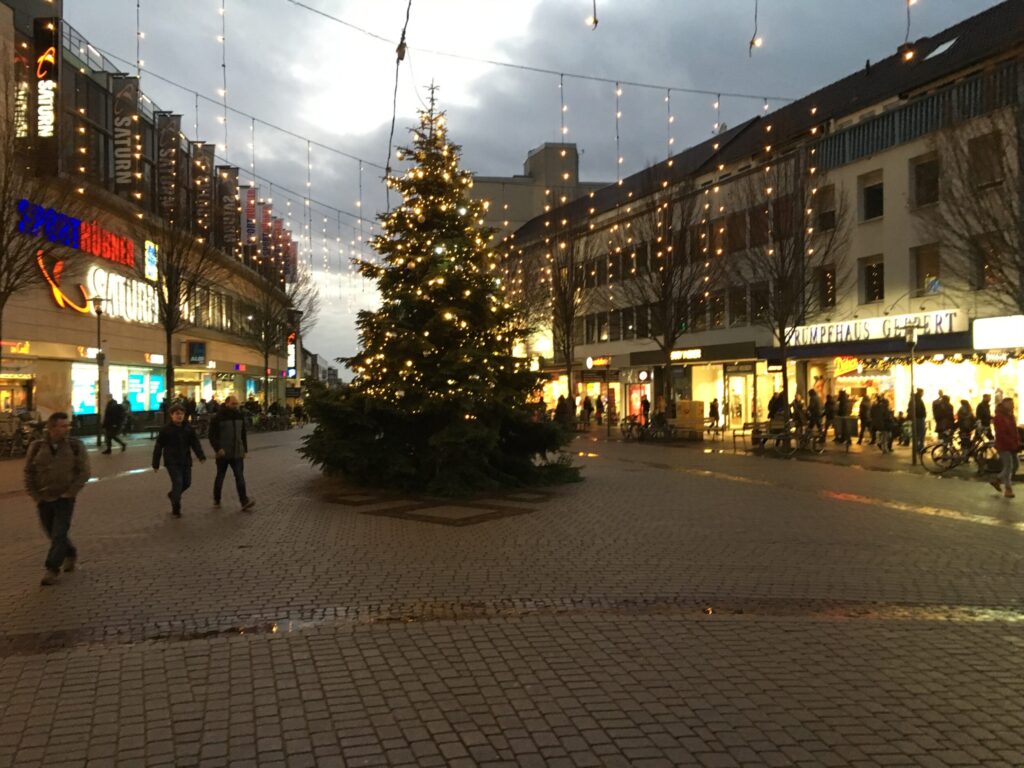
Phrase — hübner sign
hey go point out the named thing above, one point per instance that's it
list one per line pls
(885, 327)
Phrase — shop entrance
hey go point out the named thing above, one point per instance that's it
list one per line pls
(15, 393)
(739, 394)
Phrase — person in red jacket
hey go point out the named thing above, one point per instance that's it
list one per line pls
(1008, 445)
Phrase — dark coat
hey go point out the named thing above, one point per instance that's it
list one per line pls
(113, 415)
(176, 444)
(983, 413)
(228, 433)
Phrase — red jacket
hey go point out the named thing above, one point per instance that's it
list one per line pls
(1007, 438)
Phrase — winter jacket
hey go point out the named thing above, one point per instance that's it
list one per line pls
(983, 413)
(881, 416)
(53, 470)
(917, 409)
(1007, 437)
(113, 415)
(228, 433)
(175, 444)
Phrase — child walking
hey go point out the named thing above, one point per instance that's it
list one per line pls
(176, 443)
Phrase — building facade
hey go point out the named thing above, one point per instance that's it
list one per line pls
(105, 173)
(879, 152)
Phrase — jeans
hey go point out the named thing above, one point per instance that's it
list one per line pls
(111, 435)
(181, 479)
(55, 517)
(238, 469)
(1011, 463)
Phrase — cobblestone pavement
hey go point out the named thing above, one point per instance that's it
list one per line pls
(676, 608)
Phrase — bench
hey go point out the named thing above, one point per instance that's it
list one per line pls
(153, 430)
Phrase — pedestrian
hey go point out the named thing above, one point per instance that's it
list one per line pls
(944, 416)
(713, 414)
(56, 469)
(965, 422)
(843, 410)
(829, 412)
(176, 443)
(881, 423)
(588, 408)
(917, 411)
(113, 420)
(1008, 445)
(645, 409)
(599, 407)
(230, 444)
(798, 413)
(813, 410)
(129, 423)
(864, 413)
(983, 415)
(191, 410)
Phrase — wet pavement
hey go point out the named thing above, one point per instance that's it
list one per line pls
(682, 606)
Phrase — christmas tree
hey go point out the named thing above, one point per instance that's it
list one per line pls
(439, 403)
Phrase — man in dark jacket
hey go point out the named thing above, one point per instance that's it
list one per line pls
(176, 443)
(918, 413)
(56, 469)
(230, 444)
(865, 420)
(113, 421)
(983, 415)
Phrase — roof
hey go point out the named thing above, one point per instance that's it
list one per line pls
(990, 35)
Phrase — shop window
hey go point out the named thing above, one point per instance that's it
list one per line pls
(927, 265)
(825, 202)
(614, 325)
(872, 196)
(736, 232)
(738, 313)
(628, 323)
(985, 255)
(985, 158)
(826, 282)
(924, 180)
(602, 326)
(872, 279)
(643, 321)
(716, 304)
(759, 302)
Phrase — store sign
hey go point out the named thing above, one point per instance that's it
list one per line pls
(999, 332)
(125, 298)
(86, 236)
(291, 350)
(17, 347)
(154, 358)
(61, 299)
(685, 354)
(196, 352)
(885, 327)
(152, 270)
(46, 34)
(127, 140)
(168, 129)
(843, 365)
(739, 368)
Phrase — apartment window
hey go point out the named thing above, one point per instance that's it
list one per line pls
(717, 236)
(985, 255)
(698, 243)
(872, 196)
(638, 259)
(872, 279)
(579, 325)
(758, 225)
(698, 313)
(601, 267)
(589, 274)
(825, 200)
(759, 302)
(643, 321)
(602, 326)
(614, 267)
(927, 266)
(924, 181)
(738, 313)
(717, 307)
(985, 156)
(826, 286)
(787, 217)
(736, 232)
(614, 325)
(628, 323)
(591, 328)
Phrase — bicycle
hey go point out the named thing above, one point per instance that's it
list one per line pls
(630, 428)
(950, 453)
(658, 429)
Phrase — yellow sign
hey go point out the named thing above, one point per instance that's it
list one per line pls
(601, 361)
(685, 354)
(844, 365)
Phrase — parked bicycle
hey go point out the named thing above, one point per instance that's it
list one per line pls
(953, 451)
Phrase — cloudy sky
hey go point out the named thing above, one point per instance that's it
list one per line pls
(331, 83)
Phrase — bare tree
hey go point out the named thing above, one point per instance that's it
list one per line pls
(29, 207)
(271, 314)
(527, 288)
(659, 274)
(187, 266)
(977, 179)
(794, 264)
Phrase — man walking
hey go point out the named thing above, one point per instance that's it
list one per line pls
(56, 469)
(918, 413)
(983, 415)
(230, 444)
(113, 420)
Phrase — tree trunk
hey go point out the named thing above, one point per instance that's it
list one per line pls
(2, 303)
(666, 386)
(169, 372)
(266, 379)
(785, 372)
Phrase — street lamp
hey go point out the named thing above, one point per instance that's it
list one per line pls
(910, 330)
(97, 304)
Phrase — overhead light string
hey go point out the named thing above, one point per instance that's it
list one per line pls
(668, 125)
(592, 18)
(139, 34)
(755, 39)
(718, 115)
(307, 218)
(224, 70)
(196, 125)
(618, 148)
(399, 55)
